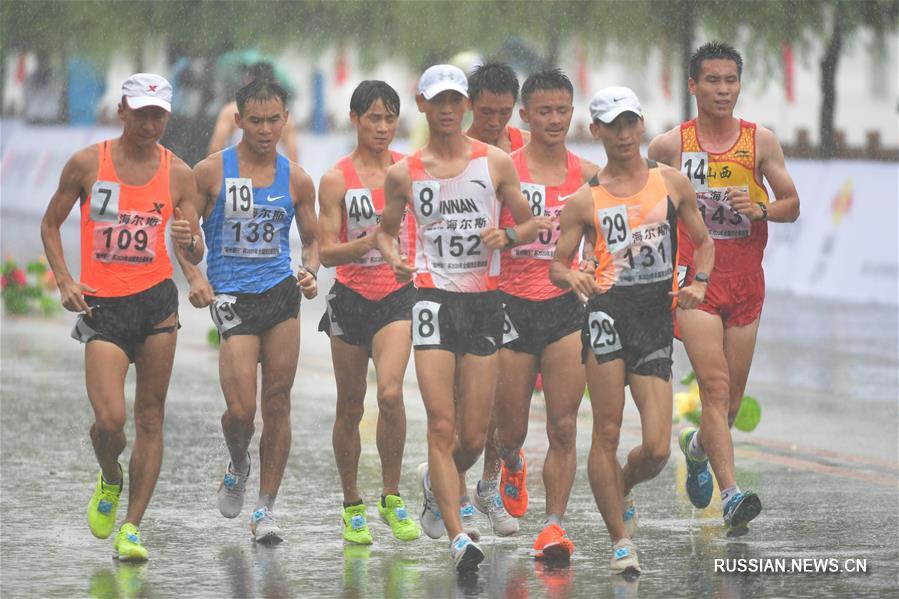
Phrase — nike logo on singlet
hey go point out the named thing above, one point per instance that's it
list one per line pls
(272, 199)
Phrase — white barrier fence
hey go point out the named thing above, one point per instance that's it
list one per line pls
(843, 247)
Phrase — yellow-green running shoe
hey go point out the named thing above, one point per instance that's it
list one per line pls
(127, 546)
(355, 527)
(393, 512)
(102, 507)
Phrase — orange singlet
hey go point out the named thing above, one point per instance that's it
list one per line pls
(370, 276)
(123, 249)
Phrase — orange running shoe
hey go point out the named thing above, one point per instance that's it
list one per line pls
(553, 545)
(513, 488)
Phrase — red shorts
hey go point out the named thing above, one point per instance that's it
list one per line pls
(737, 298)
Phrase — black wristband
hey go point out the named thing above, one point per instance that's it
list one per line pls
(314, 276)
(764, 210)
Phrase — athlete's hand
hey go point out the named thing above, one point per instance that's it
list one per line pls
(201, 294)
(181, 231)
(740, 201)
(582, 283)
(494, 239)
(690, 296)
(307, 283)
(402, 270)
(544, 223)
(588, 266)
(72, 296)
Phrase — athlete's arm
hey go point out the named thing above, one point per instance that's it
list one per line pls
(508, 190)
(71, 187)
(575, 221)
(703, 246)
(588, 254)
(201, 293)
(665, 148)
(772, 167)
(331, 193)
(224, 128)
(397, 195)
(185, 225)
(302, 189)
(289, 139)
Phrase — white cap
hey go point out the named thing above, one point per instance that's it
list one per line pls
(147, 89)
(608, 103)
(440, 78)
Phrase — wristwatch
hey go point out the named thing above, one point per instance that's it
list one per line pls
(702, 277)
(764, 208)
(512, 235)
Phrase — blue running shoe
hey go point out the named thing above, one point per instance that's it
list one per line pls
(700, 485)
(741, 510)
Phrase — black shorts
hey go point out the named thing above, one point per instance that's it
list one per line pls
(356, 319)
(532, 325)
(255, 313)
(463, 323)
(642, 335)
(127, 321)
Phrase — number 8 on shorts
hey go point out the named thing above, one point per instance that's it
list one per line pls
(425, 323)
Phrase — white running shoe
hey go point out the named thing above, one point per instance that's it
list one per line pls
(491, 505)
(624, 558)
(466, 554)
(431, 520)
(232, 489)
(264, 528)
(467, 515)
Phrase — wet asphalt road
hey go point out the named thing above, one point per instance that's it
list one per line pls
(824, 461)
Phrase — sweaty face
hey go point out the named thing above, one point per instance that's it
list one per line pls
(548, 113)
(376, 127)
(491, 114)
(717, 87)
(621, 138)
(444, 111)
(262, 122)
(144, 125)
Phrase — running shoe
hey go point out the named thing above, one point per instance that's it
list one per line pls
(624, 558)
(393, 512)
(127, 546)
(431, 520)
(700, 485)
(467, 515)
(101, 509)
(553, 545)
(514, 490)
(466, 554)
(355, 528)
(264, 527)
(631, 518)
(740, 511)
(491, 505)
(232, 489)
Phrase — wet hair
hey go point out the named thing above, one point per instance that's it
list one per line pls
(260, 70)
(260, 90)
(714, 51)
(370, 91)
(547, 79)
(496, 77)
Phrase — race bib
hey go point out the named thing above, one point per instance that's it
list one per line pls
(647, 259)
(426, 323)
(510, 333)
(544, 247)
(105, 202)
(131, 239)
(425, 202)
(361, 220)
(223, 314)
(238, 198)
(615, 228)
(695, 166)
(604, 338)
(535, 194)
(258, 237)
(336, 329)
(722, 221)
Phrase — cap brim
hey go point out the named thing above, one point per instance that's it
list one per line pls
(143, 102)
(442, 87)
(610, 116)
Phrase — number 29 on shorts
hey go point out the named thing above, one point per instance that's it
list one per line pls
(604, 339)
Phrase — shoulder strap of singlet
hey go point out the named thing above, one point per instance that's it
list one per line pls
(574, 170)
(416, 167)
(516, 139)
(594, 182)
(229, 162)
(478, 149)
(350, 176)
